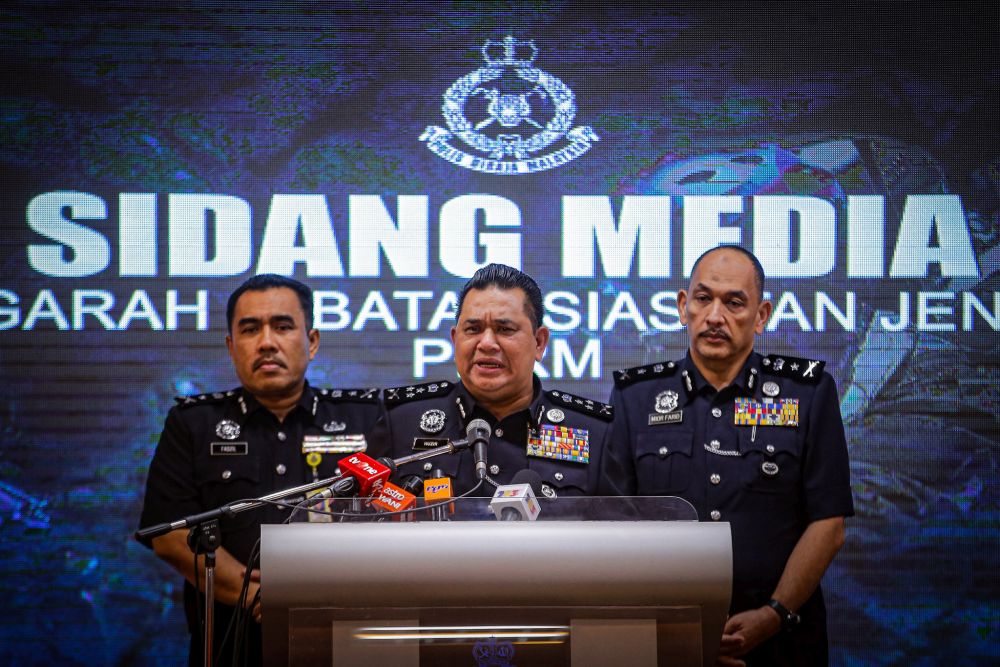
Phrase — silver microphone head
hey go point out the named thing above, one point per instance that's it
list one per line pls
(478, 429)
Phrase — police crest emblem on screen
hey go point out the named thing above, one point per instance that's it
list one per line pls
(492, 109)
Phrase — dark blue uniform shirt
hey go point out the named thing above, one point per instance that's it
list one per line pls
(222, 447)
(430, 414)
(675, 434)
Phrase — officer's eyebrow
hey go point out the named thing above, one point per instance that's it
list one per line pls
(702, 287)
(274, 319)
(477, 321)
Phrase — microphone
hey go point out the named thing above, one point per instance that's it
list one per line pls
(450, 448)
(438, 489)
(392, 498)
(369, 473)
(346, 486)
(529, 477)
(517, 502)
(478, 433)
(413, 484)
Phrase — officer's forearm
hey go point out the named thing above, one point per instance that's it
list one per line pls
(812, 555)
(173, 549)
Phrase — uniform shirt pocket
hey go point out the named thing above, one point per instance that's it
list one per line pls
(772, 460)
(223, 479)
(663, 462)
(449, 465)
(566, 479)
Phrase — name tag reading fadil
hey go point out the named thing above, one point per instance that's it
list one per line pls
(229, 449)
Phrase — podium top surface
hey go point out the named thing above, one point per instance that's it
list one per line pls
(581, 508)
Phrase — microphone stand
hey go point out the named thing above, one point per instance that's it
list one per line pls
(206, 525)
(205, 536)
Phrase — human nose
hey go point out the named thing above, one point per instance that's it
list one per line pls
(715, 313)
(487, 341)
(266, 340)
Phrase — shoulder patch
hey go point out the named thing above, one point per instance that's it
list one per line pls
(624, 378)
(602, 411)
(204, 399)
(416, 392)
(348, 395)
(804, 370)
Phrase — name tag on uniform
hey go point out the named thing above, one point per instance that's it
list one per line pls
(334, 444)
(783, 412)
(421, 444)
(229, 449)
(656, 418)
(559, 442)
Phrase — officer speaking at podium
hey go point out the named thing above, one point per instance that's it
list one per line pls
(273, 432)
(754, 440)
(497, 338)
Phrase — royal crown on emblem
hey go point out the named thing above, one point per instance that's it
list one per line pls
(510, 52)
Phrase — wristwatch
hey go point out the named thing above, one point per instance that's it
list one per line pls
(789, 619)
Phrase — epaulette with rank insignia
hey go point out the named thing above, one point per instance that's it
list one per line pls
(204, 399)
(348, 395)
(804, 370)
(629, 376)
(602, 411)
(415, 392)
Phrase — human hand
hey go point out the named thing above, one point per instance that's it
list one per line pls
(253, 601)
(743, 632)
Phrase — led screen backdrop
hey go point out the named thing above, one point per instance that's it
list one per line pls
(156, 155)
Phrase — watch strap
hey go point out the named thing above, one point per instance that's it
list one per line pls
(789, 619)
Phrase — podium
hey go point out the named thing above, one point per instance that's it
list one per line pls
(594, 581)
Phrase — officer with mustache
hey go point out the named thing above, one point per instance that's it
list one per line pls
(497, 338)
(753, 440)
(274, 431)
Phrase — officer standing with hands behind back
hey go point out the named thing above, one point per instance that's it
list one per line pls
(497, 338)
(754, 440)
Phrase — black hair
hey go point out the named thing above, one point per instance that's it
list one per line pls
(264, 282)
(758, 270)
(507, 277)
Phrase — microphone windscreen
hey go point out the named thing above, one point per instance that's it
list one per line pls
(478, 428)
(529, 477)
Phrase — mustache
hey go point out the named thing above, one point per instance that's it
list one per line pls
(268, 360)
(718, 333)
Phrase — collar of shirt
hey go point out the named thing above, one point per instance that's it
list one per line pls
(514, 427)
(307, 402)
(744, 384)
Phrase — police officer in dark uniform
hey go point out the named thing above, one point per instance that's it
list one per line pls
(755, 441)
(275, 431)
(497, 340)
